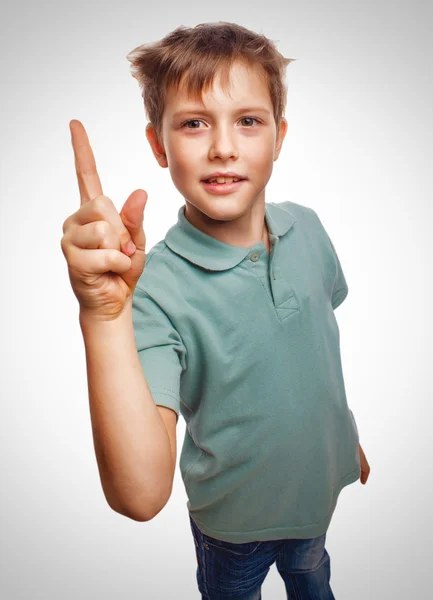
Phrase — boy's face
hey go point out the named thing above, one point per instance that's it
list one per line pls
(221, 136)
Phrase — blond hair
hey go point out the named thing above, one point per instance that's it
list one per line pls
(198, 53)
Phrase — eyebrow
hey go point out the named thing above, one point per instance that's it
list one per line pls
(206, 112)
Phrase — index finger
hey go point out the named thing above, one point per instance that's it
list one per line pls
(85, 166)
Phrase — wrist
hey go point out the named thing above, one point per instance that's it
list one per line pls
(90, 319)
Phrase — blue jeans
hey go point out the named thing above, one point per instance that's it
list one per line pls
(227, 571)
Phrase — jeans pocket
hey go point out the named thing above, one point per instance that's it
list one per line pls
(244, 550)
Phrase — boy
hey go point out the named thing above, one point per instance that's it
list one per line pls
(230, 323)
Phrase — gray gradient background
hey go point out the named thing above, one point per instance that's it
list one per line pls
(358, 149)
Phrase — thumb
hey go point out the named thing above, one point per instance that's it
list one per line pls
(132, 214)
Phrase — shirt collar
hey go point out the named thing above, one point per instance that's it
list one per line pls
(207, 252)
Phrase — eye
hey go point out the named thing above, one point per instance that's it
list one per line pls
(250, 119)
(198, 121)
(191, 121)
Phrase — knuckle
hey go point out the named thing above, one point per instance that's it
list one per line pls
(101, 203)
(101, 229)
(103, 232)
(110, 256)
(66, 241)
(65, 225)
(98, 206)
(67, 249)
(63, 244)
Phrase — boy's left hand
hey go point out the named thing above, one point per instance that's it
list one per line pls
(365, 467)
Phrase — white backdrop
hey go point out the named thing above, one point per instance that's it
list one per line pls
(357, 151)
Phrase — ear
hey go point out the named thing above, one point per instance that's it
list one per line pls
(157, 147)
(280, 137)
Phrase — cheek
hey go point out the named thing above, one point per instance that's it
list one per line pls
(183, 171)
(261, 160)
(179, 162)
(258, 151)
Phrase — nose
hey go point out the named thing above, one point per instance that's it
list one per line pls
(223, 144)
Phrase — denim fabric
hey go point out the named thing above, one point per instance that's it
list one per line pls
(228, 571)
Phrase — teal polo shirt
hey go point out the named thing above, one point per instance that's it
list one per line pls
(245, 345)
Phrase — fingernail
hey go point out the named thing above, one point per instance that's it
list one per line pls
(130, 247)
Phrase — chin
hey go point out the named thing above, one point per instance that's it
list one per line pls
(221, 208)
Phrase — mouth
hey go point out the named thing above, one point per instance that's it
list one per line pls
(227, 179)
(222, 188)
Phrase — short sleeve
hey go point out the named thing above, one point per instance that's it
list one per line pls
(160, 349)
(340, 289)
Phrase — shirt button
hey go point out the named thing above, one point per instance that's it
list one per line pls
(254, 256)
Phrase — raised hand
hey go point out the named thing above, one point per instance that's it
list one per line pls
(103, 270)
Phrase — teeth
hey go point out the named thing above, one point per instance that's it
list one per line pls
(222, 179)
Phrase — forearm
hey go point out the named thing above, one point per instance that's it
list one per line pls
(131, 443)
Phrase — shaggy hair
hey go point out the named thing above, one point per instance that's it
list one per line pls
(194, 55)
